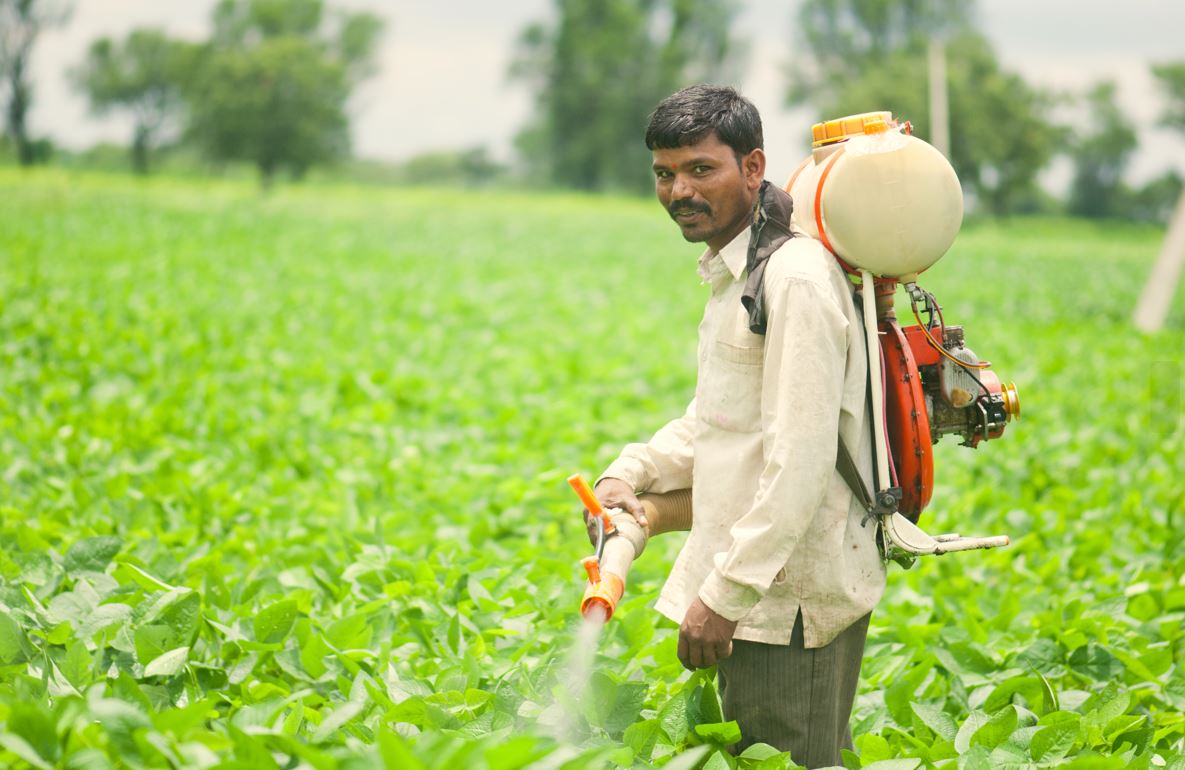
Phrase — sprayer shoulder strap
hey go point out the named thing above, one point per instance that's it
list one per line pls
(851, 476)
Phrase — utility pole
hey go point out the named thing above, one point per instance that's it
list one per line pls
(1157, 296)
(939, 106)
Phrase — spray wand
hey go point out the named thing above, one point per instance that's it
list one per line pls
(620, 539)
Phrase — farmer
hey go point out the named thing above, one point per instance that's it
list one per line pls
(779, 574)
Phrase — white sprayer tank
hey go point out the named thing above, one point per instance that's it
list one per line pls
(879, 198)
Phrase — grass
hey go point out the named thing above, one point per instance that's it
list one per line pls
(281, 484)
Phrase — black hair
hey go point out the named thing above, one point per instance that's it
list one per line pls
(691, 114)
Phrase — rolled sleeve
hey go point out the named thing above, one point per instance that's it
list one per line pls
(801, 396)
(662, 464)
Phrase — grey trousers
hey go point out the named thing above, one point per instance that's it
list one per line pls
(792, 698)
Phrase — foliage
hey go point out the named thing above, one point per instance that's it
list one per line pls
(282, 485)
(1100, 157)
(272, 86)
(145, 74)
(862, 56)
(1171, 77)
(599, 70)
(21, 22)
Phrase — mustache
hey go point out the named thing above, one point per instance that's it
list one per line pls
(679, 206)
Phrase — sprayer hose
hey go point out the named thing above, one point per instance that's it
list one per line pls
(668, 512)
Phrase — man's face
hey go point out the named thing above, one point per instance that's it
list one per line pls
(705, 191)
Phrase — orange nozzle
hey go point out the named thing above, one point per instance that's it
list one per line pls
(592, 567)
(586, 495)
(603, 594)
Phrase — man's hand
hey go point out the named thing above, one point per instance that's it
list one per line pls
(615, 493)
(704, 637)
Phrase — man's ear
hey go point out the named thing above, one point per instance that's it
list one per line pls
(753, 168)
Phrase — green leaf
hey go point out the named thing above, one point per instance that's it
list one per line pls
(997, 729)
(1029, 688)
(974, 721)
(395, 752)
(13, 645)
(92, 554)
(641, 737)
(726, 733)
(1054, 742)
(337, 719)
(900, 695)
(709, 701)
(688, 759)
(168, 664)
(718, 761)
(1095, 662)
(976, 758)
(35, 725)
(20, 747)
(895, 764)
(616, 704)
(936, 719)
(273, 622)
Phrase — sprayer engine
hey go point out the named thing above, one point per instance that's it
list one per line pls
(966, 399)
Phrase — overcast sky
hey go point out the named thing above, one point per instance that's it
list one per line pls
(442, 81)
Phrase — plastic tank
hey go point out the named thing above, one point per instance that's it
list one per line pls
(879, 198)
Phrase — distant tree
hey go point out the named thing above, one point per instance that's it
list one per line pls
(862, 55)
(144, 75)
(1172, 81)
(596, 73)
(1100, 157)
(849, 39)
(21, 22)
(274, 81)
(1155, 200)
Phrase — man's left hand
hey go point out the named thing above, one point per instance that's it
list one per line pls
(704, 637)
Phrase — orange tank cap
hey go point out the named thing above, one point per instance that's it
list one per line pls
(839, 129)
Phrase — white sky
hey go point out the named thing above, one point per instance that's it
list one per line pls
(442, 82)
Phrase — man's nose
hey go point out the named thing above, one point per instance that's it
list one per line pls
(681, 189)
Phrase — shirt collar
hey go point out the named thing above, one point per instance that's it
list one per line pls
(734, 257)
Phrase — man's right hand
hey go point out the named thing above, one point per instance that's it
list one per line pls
(615, 493)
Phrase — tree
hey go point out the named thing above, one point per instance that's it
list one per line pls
(21, 22)
(144, 75)
(274, 82)
(1172, 81)
(599, 70)
(862, 55)
(1100, 157)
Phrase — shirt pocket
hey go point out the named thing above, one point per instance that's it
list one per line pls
(729, 396)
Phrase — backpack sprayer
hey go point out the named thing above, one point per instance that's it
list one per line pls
(888, 206)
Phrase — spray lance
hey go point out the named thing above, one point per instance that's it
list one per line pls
(619, 539)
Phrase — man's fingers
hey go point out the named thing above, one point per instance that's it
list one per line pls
(683, 658)
(696, 654)
(635, 507)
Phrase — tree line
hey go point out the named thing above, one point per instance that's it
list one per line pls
(270, 88)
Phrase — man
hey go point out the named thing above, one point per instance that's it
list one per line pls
(779, 573)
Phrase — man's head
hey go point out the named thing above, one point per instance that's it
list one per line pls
(708, 161)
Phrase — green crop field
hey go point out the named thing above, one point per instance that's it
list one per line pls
(282, 485)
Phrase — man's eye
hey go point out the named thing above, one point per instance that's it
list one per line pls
(702, 169)
(662, 174)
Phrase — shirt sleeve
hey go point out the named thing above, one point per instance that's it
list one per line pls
(663, 464)
(801, 396)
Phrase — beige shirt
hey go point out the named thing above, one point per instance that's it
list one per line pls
(775, 528)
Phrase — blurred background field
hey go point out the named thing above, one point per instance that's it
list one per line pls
(308, 308)
(283, 483)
